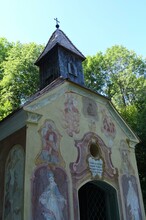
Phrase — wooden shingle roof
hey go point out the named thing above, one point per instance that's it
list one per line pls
(58, 37)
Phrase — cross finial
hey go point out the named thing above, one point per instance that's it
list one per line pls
(57, 22)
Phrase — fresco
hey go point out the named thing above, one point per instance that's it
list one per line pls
(92, 125)
(101, 164)
(49, 182)
(71, 115)
(50, 144)
(14, 175)
(129, 184)
(131, 198)
(50, 194)
(126, 167)
(108, 127)
(90, 108)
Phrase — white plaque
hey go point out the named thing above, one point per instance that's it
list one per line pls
(96, 166)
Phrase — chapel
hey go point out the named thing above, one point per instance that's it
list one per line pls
(67, 154)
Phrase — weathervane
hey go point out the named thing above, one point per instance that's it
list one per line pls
(57, 22)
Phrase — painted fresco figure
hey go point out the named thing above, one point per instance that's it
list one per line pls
(126, 167)
(50, 151)
(131, 197)
(14, 185)
(50, 139)
(52, 201)
(71, 116)
(108, 127)
(132, 202)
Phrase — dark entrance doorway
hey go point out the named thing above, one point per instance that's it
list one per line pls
(98, 201)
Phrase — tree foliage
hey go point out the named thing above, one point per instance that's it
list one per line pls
(120, 75)
(5, 46)
(19, 75)
(95, 72)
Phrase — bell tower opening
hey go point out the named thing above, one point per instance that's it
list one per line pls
(98, 201)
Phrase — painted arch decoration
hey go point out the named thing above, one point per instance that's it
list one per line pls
(94, 158)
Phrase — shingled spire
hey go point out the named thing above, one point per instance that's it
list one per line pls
(60, 58)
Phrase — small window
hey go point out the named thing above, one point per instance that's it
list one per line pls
(94, 150)
(72, 69)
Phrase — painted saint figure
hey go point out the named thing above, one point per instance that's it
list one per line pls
(108, 127)
(50, 140)
(14, 184)
(71, 116)
(50, 150)
(52, 201)
(132, 202)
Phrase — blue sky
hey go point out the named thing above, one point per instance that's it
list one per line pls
(92, 25)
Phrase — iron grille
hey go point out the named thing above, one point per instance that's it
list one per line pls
(92, 203)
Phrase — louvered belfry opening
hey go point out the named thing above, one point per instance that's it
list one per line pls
(98, 201)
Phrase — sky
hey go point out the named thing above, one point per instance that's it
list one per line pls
(91, 25)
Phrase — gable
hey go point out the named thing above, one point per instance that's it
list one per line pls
(91, 106)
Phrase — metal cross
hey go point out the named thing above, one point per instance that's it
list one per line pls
(57, 22)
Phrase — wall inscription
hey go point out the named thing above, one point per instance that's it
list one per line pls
(96, 167)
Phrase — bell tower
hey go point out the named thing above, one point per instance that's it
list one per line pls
(60, 58)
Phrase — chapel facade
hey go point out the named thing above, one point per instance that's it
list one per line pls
(67, 154)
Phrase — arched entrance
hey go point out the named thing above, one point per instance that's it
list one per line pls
(98, 201)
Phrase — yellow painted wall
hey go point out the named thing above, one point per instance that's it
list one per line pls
(51, 106)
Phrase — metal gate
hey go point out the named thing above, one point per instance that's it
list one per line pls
(98, 201)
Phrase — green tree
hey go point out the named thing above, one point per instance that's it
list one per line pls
(5, 46)
(19, 76)
(95, 72)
